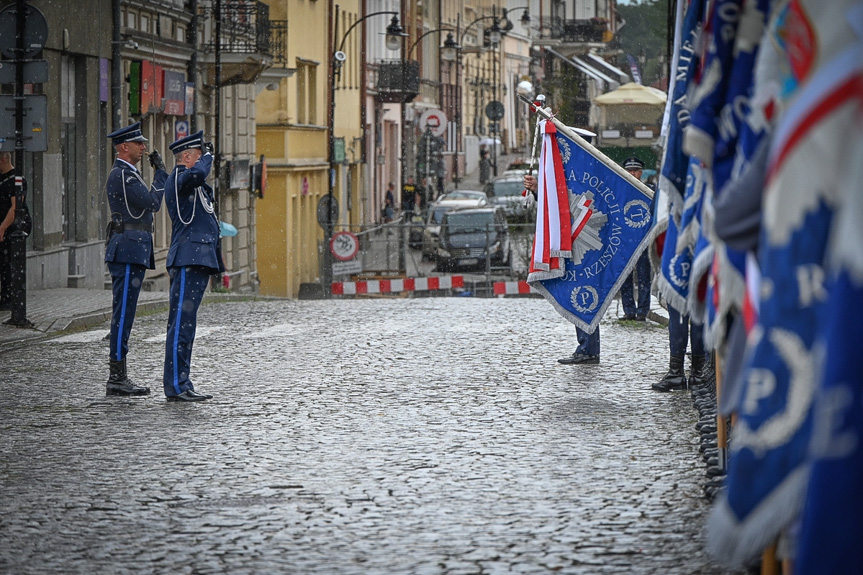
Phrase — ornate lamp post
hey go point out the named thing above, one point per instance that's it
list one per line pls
(394, 34)
(448, 53)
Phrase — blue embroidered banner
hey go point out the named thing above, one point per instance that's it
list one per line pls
(610, 217)
(675, 163)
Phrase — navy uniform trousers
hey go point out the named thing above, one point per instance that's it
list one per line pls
(681, 331)
(126, 282)
(588, 344)
(627, 297)
(188, 284)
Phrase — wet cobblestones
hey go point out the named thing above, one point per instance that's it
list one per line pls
(434, 435)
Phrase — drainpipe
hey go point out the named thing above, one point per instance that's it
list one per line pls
(192, 69)
(116, 69)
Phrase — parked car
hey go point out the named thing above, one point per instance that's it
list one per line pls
(455, 200)
(468, 235)
(505, 193)
(516, 168)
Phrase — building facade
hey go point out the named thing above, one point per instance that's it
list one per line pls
(114, 62)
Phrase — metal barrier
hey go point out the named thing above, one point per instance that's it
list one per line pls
(393, 251)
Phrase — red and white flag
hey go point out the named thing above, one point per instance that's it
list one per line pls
(553, 239)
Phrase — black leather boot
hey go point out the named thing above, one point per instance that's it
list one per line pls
(700, 370)
(120, 384)
(674, 379)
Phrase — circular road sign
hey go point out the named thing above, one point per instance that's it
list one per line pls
(35, 31)
(330, 202)
(344, 246)
(494, 110)
(434, 120)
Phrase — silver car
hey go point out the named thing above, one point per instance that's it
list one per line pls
(506, 193)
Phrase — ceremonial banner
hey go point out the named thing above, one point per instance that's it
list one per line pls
(675, 163)
(832, 523)
(607, 213)
(767, 473)
(673, 279)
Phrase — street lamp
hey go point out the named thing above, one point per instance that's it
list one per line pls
(459, 105)
(525, 17)
(448, 52)
(394, 34)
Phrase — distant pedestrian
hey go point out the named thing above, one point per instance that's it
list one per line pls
(484, 166)
(129, 239)
(409, 190)
(194, 256)
(389, 203)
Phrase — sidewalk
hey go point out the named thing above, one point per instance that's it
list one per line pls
(61, 309)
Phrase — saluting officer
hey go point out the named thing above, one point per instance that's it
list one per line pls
(194, 255)
(129, 251)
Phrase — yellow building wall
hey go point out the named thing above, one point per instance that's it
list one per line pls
(288, 234)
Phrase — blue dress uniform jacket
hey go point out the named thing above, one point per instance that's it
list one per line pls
(132, 201)
(195, 228)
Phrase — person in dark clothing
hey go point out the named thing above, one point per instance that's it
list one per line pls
(195, 255)
(129, 250)
(640, 277)
(484, 166)
(7, 216)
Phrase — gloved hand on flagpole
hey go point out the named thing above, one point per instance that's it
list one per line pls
(529, 193)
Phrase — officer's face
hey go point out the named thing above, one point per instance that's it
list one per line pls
(636, 174)
(190, 156)
(134, 151)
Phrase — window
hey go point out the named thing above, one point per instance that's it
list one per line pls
(145, 23)
(307, 95)
(181, 33)
(132, 21)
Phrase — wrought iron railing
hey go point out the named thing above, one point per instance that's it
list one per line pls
(245, 27)
(398, 80)
(577, 31)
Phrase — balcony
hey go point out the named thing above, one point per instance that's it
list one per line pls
(556, 31)
(249, 42)
(398, 81)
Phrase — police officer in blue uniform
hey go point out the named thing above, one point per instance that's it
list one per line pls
(633, 310)
(194, 256)
(129, 238)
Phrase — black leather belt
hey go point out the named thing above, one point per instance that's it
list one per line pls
(137, 226)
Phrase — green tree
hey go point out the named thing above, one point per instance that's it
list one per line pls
(645, 36)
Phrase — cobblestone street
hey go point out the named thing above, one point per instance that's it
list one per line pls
(376, 436)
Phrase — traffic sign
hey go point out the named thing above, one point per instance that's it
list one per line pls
(434, 120)
(35, 31)
(344, 246)
(494, 110)
(328, 201)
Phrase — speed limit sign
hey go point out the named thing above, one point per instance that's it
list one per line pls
(344, 246)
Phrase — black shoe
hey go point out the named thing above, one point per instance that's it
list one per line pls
(640, 317)
(125, 388)
(629, 317)
(579, 358)
(189, 395)
(674, 379)
(120, 384)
